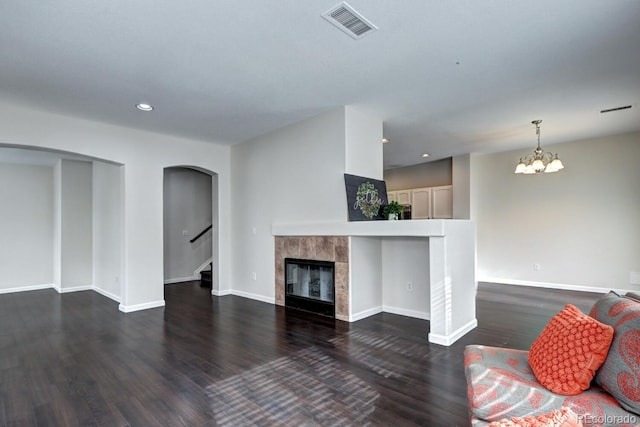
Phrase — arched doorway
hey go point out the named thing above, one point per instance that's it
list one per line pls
(190, 216)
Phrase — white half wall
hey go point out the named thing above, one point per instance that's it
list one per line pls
(580, 225)
(107, 229)
(187, 209)
(26, 226)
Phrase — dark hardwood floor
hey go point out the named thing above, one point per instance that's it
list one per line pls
(75, 360)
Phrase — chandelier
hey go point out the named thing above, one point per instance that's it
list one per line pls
(539, 161)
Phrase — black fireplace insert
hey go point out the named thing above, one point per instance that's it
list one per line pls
(310, 285)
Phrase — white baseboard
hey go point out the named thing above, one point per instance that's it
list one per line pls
(124, 309)
(180, 280)
(221, 293)
(270, 300)
(138, 307)
(424, 315)
(107, 294)
(27, 288)
(196, 274)
(560, 286)
(365, 313)
(203, 266)
(73, 289)
(61, 291)
(447, 340)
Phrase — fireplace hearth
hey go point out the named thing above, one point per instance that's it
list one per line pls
(310, 285)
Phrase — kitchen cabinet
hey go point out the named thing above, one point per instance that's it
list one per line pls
(426, 203)
(401, 196)
(442, 202)
(421, 203)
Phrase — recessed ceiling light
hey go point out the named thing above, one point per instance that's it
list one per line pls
(385, 140)
(144, 107)
(425, 155)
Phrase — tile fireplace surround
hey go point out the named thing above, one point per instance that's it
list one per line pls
(318, 248)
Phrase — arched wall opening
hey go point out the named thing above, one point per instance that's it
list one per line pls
(61, 221)
(190, 207)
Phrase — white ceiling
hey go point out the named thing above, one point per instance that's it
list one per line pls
(445, 77)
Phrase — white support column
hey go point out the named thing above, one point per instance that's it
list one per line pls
(440, 292)
(453, 283)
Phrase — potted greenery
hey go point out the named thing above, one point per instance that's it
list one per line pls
(393, 210)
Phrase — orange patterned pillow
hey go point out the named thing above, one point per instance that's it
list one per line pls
(559, 418)
(569, 350)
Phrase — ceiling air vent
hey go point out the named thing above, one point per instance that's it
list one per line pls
(610, 110)
(348, 20)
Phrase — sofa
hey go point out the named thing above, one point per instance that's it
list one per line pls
(502, 385)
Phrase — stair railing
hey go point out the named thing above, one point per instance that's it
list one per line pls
(201, 233)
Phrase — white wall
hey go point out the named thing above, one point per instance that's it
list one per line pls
(107, 229)
(215, 235)
(295, 174)
(406, 260)
(364, 157)
(144, 155)
(363, 144)
(430, 174)
(187, 208)
(26, 226)
(76, 225)
(57, 224)
(461, 182)
(365, 278)
(581, 225)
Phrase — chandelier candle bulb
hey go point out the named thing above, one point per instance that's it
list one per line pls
(539, 161)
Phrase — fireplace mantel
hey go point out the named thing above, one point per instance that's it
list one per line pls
(449, 252)
(415, 228)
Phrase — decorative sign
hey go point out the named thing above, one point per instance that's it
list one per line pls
(365, 197)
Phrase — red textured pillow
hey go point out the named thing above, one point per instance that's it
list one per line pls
(559, 418)
(569, 350)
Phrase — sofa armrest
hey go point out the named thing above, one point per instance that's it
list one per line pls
(500, 384)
